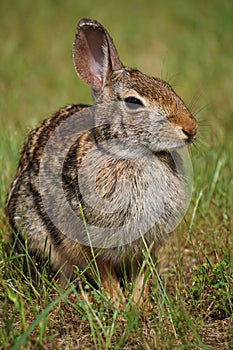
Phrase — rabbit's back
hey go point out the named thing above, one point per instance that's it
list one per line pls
(24, 203)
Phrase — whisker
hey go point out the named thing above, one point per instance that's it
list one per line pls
(200, 109)
(172, 79)
(201, 121)
(193, 103)
(200, 147)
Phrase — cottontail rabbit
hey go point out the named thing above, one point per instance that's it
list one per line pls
(104, 180)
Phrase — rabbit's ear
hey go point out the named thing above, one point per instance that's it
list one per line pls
(95, 55)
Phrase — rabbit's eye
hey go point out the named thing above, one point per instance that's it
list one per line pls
(133, 103)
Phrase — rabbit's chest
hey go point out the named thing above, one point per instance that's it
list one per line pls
(123, 199)
(139, 192)
(114, 182)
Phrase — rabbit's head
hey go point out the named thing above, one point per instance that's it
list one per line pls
(149, 106)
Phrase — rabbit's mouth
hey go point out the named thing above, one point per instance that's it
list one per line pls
(190, 139)
(185, 137)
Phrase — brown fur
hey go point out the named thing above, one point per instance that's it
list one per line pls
(98, 64)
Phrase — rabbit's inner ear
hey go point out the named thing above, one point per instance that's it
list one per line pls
(95, 55)
(91, 57)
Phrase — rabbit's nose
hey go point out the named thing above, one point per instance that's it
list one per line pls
(190, 130)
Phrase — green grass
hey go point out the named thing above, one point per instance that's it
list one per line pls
(188, 43)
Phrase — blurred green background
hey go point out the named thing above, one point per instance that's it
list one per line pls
(187, 43)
